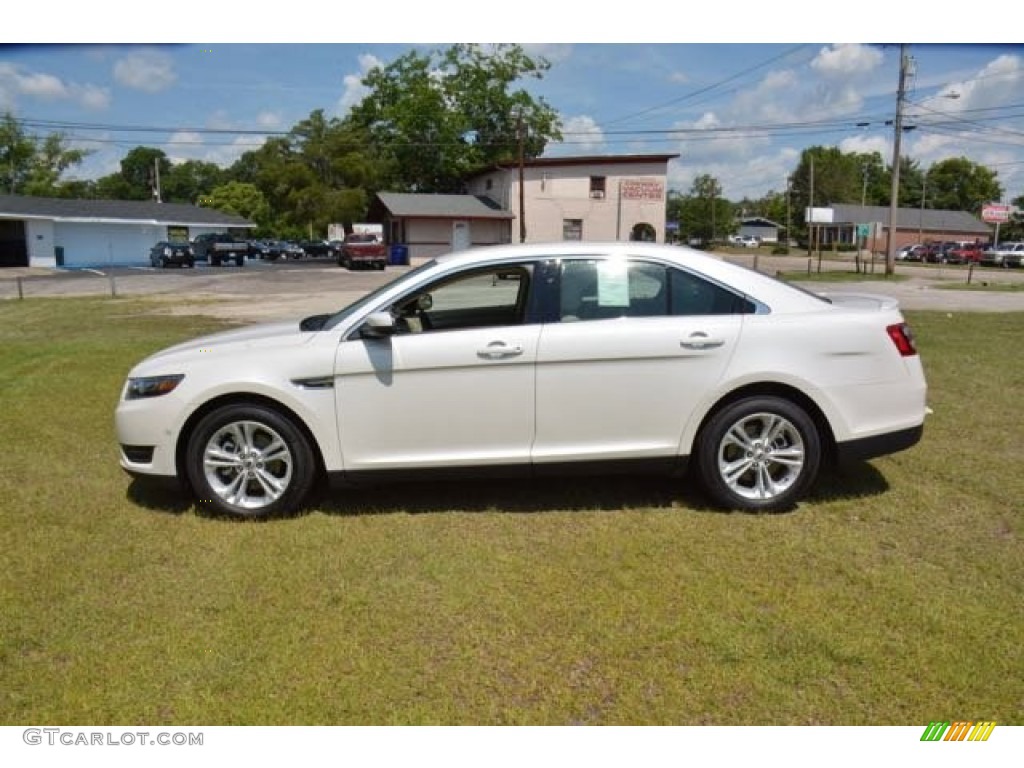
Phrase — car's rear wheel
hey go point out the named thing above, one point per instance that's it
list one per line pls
(249, 461)
(759, 454)
(240, 261)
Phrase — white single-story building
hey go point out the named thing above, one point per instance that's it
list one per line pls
(765, 230)
(58, 232)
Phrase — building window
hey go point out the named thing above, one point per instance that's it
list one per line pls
(572, 229)
(597, 185)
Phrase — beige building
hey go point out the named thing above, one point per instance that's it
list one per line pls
(606, 197)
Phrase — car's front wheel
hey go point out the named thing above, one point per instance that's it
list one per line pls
(249, 460)
(759, 454)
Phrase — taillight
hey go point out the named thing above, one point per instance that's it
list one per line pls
(903, 338)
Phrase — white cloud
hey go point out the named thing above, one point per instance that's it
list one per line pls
(268, 120)
(42, 86)
(190, 145)
(583, 135)
(844, 61)
(17, 82)
(151, 71)
(93, 97)
(355, 91)
(553, 52)
(868, 144)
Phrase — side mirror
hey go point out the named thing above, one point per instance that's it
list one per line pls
(378, 325)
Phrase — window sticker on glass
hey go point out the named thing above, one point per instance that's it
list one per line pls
(612, 284)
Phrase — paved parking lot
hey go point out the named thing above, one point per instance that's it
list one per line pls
(275, 290)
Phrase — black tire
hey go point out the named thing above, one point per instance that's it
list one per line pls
(759, 454)
(163, 262)
(239, 261)
(191, 263)
(248, 460)
(214, 261)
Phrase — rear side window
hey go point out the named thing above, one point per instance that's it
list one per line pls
(599, 290)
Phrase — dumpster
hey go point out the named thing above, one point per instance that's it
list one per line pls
(399, 255)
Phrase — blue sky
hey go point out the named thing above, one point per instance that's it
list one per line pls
(739, 111)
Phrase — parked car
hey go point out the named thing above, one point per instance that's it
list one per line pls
(963, 252)
(913, 252)
(528, 360)
(1003, 255)
(166, 253)
(282, 249)
(1014, 258)
(745, 241)
(936, 253)
(257, 249)
(219, 248)
(315, 248)
(292, 250)
(362, 251)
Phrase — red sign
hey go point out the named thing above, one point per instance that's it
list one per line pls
(995, 213)
(642, 190)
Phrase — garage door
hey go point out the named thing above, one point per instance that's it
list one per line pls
(13, 252)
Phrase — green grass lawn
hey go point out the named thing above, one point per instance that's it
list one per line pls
(894, 596)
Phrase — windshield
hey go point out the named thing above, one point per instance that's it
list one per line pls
(369, 298)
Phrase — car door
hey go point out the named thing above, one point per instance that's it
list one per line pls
(636, 347)
(453, 386)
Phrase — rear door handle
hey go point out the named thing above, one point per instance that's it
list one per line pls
(700, 340)
(499, 349)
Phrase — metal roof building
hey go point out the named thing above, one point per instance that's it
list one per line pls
(433, 224)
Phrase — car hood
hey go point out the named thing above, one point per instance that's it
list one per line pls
(221, 345)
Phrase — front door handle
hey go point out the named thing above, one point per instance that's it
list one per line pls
(496, 350)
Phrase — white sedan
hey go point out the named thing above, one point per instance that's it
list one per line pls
(532, 360)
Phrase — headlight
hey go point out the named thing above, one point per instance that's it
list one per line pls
(151, 386)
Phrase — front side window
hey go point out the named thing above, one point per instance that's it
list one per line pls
(493, 296)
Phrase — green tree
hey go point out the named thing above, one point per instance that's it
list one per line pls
(137, 178)
(240, 199)
(702, 213)
(436, 116)
(188, 181)
(958, 184)
(33, 166)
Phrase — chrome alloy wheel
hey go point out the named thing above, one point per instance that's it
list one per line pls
(761, 456)
(247, 464)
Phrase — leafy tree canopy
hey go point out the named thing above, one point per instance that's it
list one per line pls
(30, 165)
(439, 115)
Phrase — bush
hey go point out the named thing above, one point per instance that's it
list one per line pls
(780, 250)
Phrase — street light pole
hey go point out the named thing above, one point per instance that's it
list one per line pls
(890, 241)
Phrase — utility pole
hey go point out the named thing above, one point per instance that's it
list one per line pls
(156, 179)
(890, 241)
(920, 219)
(810, 213)
(789, 231)
(522, 174)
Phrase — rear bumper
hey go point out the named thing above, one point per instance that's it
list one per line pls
(878, 445)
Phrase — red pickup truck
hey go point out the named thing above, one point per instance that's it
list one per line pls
(362, 251)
